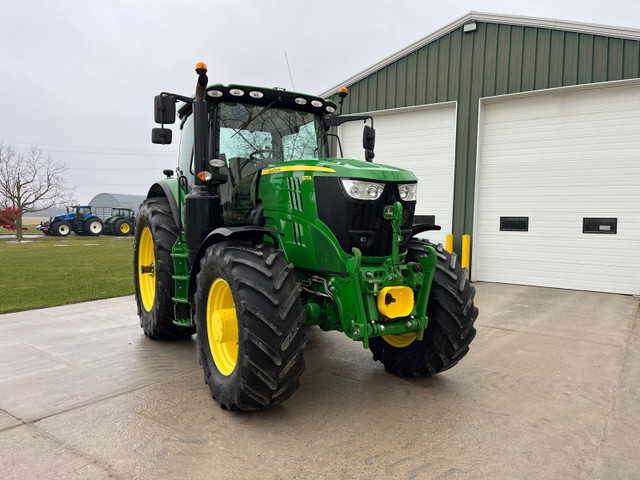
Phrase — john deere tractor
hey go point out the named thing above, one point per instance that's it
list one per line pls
(121, 222)
(79, 219)
(262, 232)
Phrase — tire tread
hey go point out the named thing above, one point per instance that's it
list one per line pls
(270, 317)
(155, 213)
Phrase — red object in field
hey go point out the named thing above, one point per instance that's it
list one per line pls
(8, 218)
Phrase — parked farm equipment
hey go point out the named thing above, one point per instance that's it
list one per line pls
(8, 219)
(78, 219)
(121, 222)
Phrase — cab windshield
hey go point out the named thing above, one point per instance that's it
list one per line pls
(251, 137)
(258, 135)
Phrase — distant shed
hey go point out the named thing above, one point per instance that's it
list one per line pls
(103, 202)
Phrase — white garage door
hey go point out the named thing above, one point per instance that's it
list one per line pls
(558, 189)
(422, 141)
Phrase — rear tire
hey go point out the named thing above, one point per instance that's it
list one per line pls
(122, 227)
(61, 229)
(156, 232)
(450, 329)
(253, 359)
(93, 227)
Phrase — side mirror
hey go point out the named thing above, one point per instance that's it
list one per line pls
(368, 142)
(161, 136)
(164, 109)
(368, 138)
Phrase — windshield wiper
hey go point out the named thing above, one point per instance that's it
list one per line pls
(246, 124)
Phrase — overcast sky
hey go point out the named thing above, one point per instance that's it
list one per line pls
(78, 77)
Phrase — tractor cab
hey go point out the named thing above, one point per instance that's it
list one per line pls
(250, 129)
(122, 212)
(80, 211)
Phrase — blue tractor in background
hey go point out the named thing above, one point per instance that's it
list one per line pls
(79, 219)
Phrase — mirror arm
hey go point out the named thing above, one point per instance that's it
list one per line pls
(338, 120)
(182, 98)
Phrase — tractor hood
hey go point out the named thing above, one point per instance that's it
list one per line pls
(61, 217)
(344, 168)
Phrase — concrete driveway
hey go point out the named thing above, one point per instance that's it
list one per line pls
(550, 389)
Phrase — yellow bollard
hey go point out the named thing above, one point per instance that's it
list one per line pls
(449, 243)
(466, 250)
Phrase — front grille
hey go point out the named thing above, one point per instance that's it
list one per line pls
(360, 223)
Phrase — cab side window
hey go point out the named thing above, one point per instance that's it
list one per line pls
(185, 157)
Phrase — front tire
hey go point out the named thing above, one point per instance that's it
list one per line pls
(250, 325)
(450, 330)
(61, 229)
(93, 227)
(156, 232)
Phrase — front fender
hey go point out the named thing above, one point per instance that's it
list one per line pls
(168, 187)
(242, 234)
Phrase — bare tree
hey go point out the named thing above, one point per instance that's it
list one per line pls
(30, 182)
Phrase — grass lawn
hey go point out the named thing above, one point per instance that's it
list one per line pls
(49, 271)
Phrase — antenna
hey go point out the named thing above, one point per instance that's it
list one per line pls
(289, 68)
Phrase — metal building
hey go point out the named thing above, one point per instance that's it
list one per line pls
(102, 203)
(525, 134)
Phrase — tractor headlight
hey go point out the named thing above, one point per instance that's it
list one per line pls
(408, 191)
(362, 190)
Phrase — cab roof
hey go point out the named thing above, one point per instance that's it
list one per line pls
(280, 98)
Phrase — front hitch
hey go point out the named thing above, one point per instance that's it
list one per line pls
(372, 314)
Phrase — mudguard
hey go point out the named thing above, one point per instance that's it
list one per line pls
(168, 188)
(246, 233)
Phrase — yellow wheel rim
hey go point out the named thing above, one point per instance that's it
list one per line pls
(146, 269)
(124, 228)
(400, 341)
(222, 326)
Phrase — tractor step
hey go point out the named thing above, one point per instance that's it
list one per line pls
(183, 322)
(180, 254)
(181, 283)
(182, 315)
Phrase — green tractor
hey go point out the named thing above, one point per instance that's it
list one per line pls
(121, 222)
(261, 233)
